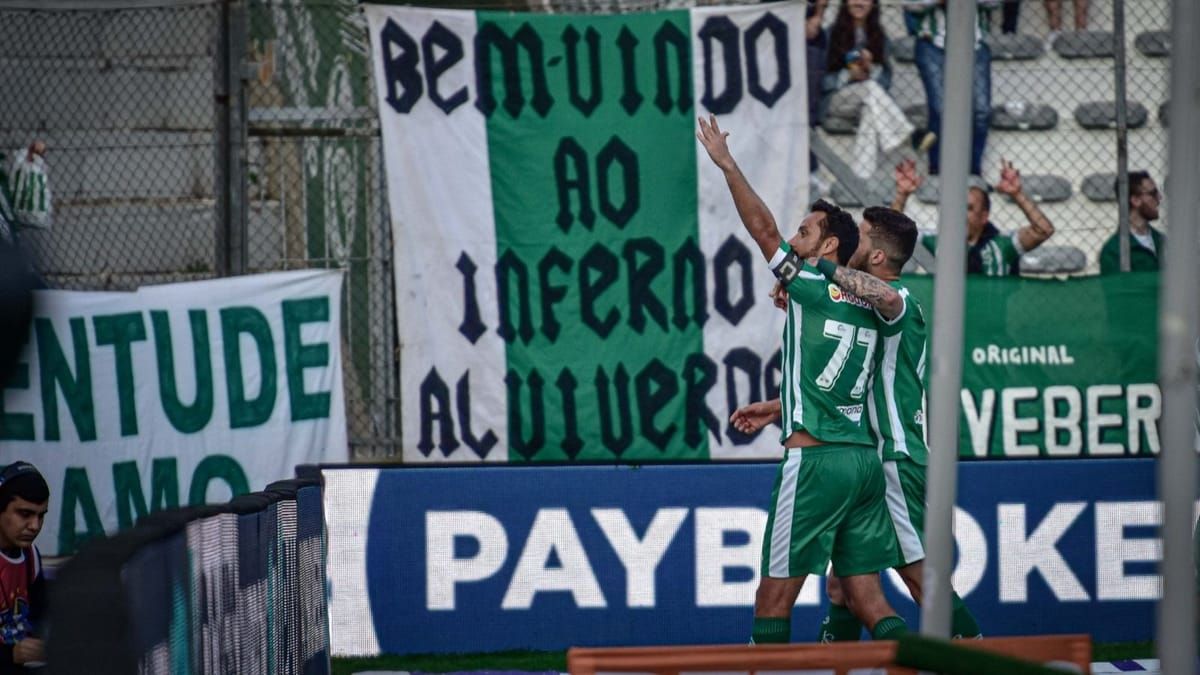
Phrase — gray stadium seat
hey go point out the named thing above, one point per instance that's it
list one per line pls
(1004, 48)
(843, 197)
(1036, 116)
(1103, 115)
(918, 114)
(1162, 112)
(1154, 43)
(1046, 188)
(1014, 47)
(1098, 187)
(838, 125)
(1047, 259)
(1085, 44)
(880, 189)
(929, 190)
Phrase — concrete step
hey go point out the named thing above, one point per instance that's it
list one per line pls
(78, 93)
(125, 164)
(147, 237)
(181, 30)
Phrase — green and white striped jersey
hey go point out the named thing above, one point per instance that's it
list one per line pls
(829, 345)
(896, 402)
(994, 255)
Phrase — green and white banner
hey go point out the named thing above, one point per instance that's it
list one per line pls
(174, 395)
(1056, 368)
(572, 281)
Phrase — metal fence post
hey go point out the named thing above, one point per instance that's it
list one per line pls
(229, 173)
(948, 298)
(1122, 110)
(1177, 329)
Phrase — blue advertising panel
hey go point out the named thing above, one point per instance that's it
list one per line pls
(491, 558)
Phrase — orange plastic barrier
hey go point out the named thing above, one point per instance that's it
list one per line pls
(838, 658)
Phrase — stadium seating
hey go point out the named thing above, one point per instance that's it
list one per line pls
(1103, 115)
(1051, 259)
(1098, 187)
(1023, 116)
(1015, 47)
(1156, 43)
(1086, 44)
(1047, 138)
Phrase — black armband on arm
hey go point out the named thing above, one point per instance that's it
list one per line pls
(789, 268)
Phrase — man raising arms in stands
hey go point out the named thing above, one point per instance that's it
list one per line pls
(989, 251)
(828, 497)
(895, 405)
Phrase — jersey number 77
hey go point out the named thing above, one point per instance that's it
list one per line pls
(847, 336)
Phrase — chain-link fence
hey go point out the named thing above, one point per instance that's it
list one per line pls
(130, 100)
(124, 101)
(1050, 111)
(316, 187)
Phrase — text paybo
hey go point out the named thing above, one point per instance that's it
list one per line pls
(554, 559)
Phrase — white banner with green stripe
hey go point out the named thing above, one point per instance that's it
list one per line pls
(572, 280)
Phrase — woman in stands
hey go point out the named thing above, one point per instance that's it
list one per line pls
(858, 78)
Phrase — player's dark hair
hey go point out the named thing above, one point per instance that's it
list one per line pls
(838, 223)
(1136, 178)
(983, 194)
(22, 479)
(893, 233)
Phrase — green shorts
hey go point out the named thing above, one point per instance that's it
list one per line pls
(828, 504)
(905, 489)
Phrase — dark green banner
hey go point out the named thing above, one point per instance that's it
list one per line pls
(1058, 368)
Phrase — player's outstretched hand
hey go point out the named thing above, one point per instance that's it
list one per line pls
(907, 178)
(713, 140)
(779, 296)
(750, 418)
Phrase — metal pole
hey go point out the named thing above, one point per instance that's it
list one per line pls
(221, 131)
(1179, 314)
(229, 177)
(1122, 133)
(238, 128)
(948, 294)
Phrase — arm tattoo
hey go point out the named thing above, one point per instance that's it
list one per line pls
(869, 288)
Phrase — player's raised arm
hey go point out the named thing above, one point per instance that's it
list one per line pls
(750, 207)
(882, 295)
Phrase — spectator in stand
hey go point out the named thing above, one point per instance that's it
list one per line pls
(1054, 18)
(1144, 241)
(989, 251)
(24, 497)
(929, 19)
(858, 76)
(1010, 11)
(1010, 15)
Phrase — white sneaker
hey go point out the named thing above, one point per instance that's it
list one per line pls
(1050, 38)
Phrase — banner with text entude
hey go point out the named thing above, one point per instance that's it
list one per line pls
(174, 395)
(572, 279)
